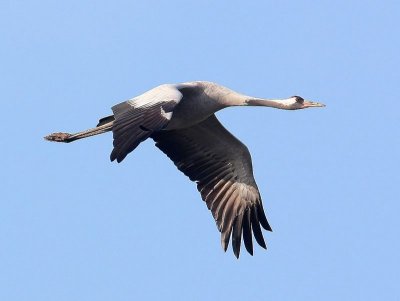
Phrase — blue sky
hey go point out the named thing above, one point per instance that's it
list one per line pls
(74, 226)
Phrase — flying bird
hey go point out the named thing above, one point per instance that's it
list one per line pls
(180, 119)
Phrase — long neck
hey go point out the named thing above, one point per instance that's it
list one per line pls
(227, 97)
(236, 99)
(273, 103)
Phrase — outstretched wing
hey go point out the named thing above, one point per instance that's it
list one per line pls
(221, 166)
(138, 118)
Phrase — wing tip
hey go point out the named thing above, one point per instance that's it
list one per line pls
(225, 236)
(247, 234)
(117, 156)
(264, 222)
(250, 225)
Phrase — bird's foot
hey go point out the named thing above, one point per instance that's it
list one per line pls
(58, 137)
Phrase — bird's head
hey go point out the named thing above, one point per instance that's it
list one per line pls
(297, 103)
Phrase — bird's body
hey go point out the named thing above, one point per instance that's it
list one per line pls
(180, 119)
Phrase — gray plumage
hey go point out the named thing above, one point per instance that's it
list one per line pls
(180, 119)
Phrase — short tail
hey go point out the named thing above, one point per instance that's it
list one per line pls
(105, 125)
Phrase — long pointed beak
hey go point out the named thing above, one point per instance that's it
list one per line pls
(308, 104)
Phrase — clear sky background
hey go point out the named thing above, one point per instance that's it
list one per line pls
(74, 226)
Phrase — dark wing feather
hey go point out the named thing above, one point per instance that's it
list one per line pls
(105, 120)
(221, 166)
(137, 119)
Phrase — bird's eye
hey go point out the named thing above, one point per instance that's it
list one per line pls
(299, 99)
